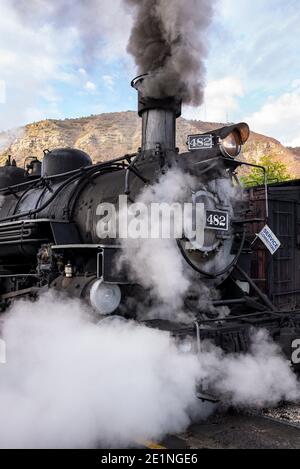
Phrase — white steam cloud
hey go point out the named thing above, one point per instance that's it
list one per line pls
(69, 383)
(262, 377)
(157, 263)
(72, 384)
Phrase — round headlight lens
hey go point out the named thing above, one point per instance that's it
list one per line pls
(231, 145)
(186, 345)
(105, 298)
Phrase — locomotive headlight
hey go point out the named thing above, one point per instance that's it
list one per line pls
(231, 145)
(186, 346)
(105, 298)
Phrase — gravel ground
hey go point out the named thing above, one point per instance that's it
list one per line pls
(289, 413)
(277, 428)
(238, 431)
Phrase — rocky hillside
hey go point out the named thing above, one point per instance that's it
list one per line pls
(111, 135)
(295, 151)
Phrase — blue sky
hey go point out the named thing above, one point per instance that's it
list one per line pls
(253, 67)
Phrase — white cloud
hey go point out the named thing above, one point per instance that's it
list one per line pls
(30, 60)
(221, 99)
(258, 39)
(35, 114)
(37, 55)
(296, 84)
(253, 47)
(109, 81)
(280, 117)
(90, 86)
(115, 23)
(82, 72)
(49, 94)
(2, 92)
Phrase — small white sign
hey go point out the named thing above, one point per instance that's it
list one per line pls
(269, 239)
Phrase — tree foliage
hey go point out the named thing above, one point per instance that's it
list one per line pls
(276, 172)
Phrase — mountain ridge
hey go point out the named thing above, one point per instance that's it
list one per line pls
(110, 135)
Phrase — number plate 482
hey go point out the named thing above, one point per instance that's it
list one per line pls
(200, 142)
(217, 221)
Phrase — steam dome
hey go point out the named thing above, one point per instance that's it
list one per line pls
(63, 160)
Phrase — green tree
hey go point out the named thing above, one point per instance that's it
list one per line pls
(276, 172)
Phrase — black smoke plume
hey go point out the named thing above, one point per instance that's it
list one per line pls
(169, 41)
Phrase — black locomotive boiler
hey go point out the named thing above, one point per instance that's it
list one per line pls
(48, 236)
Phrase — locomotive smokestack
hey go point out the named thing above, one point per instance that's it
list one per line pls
(158, 119)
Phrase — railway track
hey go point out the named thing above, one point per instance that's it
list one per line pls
(272, 429)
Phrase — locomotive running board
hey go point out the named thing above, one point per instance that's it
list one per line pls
(207, 397)
(19, 293)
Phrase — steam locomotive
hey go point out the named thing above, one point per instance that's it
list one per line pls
(48, 236)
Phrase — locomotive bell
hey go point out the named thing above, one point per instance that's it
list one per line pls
(10, 174)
